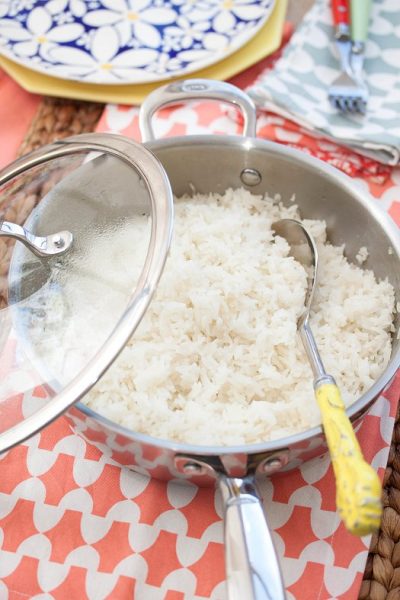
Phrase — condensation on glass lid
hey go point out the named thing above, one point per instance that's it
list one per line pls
(69, 296)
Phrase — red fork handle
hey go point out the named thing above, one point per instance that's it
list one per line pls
(340, 11)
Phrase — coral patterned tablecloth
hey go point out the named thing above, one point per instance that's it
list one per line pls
(17, 109)
(74, 525)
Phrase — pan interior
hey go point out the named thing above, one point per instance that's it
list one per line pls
(214, 164)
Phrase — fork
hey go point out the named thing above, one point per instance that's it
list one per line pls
(360, 12)
(347, 93)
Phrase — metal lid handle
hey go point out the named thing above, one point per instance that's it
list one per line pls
(196, 89)
(48, 245)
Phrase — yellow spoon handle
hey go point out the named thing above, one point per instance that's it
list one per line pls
(358, 488)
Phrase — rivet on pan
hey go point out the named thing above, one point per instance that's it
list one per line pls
(250, 177)
(274, 463)
(192, 468)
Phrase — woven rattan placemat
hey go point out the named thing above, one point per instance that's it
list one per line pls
(382, 573)
(57, 119)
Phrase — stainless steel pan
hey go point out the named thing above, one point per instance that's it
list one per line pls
(214, 163)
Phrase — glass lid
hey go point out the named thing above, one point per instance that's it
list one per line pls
(85, 227)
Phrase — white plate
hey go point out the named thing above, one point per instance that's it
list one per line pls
(126, 41)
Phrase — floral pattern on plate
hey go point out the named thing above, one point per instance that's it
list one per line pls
(126, 41)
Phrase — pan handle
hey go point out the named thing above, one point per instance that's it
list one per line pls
(252, 567)
(196, 89)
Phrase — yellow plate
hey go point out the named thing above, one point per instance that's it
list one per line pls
(264, 42)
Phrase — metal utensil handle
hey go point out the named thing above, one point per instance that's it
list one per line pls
(195, 89)
(252, 567)
(360, 13)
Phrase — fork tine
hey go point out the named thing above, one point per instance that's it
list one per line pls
(348, 103)
(333, 101)
(342, 104)
(356, 106)
(353, 105)
(337, 103)
(361, 106)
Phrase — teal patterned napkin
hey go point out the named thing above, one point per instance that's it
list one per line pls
(297, 87)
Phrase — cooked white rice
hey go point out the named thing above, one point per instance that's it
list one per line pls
(362, 255)
(217, 358)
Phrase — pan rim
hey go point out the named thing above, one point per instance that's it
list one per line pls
(364, 402)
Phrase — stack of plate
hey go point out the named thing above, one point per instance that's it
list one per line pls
(120, 50)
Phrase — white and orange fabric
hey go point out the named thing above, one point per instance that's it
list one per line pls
(75, 525)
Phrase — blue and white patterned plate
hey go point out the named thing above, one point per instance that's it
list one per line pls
(126, 41)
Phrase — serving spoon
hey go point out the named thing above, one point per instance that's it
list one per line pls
(358, 488)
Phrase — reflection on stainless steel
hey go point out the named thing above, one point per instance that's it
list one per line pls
(49, 245)
(251, 563)
(252, 566)
(195, 89)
